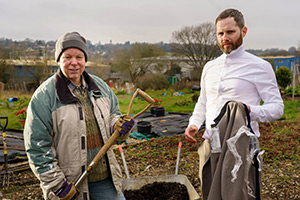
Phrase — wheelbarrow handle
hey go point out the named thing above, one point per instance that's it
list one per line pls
(4, 125)
(113, 138)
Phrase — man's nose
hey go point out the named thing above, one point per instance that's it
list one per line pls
(225, 37)
(74, 61)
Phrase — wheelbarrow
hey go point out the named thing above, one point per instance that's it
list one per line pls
(139, 182)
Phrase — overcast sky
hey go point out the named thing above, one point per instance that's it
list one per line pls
(271, 23)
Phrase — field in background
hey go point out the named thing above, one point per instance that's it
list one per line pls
(173, 101)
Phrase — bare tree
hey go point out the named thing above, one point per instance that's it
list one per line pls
(197, 43)
(137, 61)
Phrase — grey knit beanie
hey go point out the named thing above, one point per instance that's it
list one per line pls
(70, 40)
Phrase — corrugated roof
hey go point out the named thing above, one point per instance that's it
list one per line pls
(278, 57)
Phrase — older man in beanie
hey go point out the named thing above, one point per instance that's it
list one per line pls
(70, 117)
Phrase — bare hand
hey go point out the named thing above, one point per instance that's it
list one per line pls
(190, 132)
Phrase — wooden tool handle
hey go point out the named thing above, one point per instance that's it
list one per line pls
(98, 157)
(114, 137)
(145, 96)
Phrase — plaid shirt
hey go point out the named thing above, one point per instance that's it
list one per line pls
(73, 87)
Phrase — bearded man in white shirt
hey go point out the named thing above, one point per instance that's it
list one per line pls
(238, 76)
(235, 76)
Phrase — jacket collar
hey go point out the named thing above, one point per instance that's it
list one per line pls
(63, 92)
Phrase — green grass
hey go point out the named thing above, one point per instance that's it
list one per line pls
(170, 100)
(9, 109)
(291, 110)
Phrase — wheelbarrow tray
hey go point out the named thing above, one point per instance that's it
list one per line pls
(137, 183)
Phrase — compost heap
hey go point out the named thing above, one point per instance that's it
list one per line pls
(159, 191)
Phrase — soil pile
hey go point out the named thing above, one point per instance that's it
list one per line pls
(158, 191)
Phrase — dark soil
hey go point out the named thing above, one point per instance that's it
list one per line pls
(280, 179)
(158, 191)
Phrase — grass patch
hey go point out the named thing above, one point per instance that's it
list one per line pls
(291, 110)
(171, 100)
(174, 101)
(9, 109)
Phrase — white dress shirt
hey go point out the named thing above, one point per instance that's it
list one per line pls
(239, 76)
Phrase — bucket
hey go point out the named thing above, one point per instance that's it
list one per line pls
(152, 110)
(160, 111)
(144, 127)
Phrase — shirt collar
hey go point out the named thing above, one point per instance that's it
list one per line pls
(236, 52)
(72, 86)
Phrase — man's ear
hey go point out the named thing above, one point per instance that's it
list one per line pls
(244, 31)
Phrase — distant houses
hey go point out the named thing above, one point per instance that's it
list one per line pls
(24, 72)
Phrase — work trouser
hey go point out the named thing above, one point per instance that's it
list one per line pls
(104, 190)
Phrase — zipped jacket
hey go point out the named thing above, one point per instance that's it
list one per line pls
(55, 132)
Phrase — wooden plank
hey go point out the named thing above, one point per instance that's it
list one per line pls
(15, 147)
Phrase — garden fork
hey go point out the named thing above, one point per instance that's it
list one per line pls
(6, 175)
